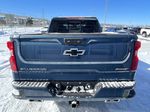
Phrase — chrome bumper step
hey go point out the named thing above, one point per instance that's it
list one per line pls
(30, 84)
(100, 85)
(116, 84)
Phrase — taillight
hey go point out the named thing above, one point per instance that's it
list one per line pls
(12, 59)
(135, 56)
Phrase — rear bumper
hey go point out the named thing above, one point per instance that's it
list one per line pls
(101, 91)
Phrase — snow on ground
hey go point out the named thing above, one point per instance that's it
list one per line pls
(140, 103)
(144, 38)
(21, 30)
(144, 52)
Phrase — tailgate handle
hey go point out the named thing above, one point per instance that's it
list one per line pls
(74, 52)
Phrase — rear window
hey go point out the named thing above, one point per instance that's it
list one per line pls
(74, 26)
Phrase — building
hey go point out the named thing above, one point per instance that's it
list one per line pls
(15, 20)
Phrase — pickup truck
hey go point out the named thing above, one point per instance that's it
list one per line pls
(145, 32)
(74, 62)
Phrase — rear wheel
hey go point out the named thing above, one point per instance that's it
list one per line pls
(144, 34)
(131, 94)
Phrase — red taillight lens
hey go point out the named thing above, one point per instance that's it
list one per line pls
(137, 45)
(13, 63)
(10, 45)
(135, 56)
(12, 59)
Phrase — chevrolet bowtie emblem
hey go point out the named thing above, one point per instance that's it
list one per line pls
(74, 52)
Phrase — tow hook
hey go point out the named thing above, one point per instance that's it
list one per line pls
(74, 103)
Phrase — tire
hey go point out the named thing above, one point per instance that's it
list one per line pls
(144, 34)
(132, 93)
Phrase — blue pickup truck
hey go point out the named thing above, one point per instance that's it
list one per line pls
(74, 61)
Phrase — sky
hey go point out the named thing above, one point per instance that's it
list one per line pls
(130, 12)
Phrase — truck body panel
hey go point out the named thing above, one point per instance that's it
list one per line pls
(74, 65)
(46, 54)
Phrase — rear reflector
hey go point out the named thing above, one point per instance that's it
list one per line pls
(12, 59)
(135, 56)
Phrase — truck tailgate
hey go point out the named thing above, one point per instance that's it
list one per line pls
(74, 56)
